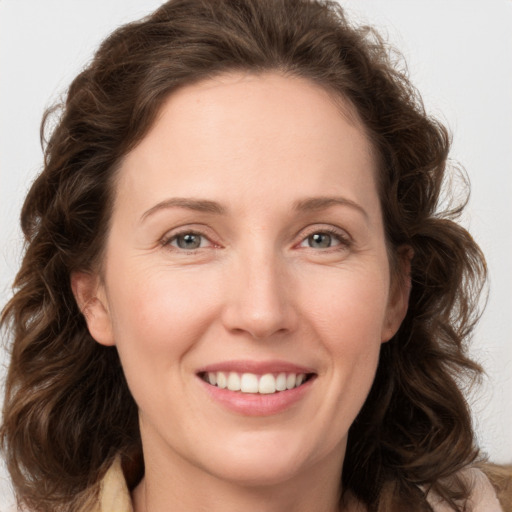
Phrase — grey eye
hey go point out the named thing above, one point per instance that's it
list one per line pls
(188, 241)
(319, 241)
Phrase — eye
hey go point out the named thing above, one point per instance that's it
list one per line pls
(321, 240)
(188, 241)
(325, 239)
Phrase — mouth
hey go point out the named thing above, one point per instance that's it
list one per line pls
(253, 383)
(257, 388)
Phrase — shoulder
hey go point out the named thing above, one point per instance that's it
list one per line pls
(491, 490)
(114, 495)
(501, 480)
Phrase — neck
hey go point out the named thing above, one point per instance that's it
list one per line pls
(166, 486)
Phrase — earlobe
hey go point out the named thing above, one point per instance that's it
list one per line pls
(399, 294)
(90, 297)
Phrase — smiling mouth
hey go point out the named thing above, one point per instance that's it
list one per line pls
(265, 384)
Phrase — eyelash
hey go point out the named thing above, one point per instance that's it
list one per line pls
(344, 240)
(168, 240)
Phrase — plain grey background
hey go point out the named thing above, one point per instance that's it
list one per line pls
(459, 54)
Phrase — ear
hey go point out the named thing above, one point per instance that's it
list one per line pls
(91, 299)
(400, 290)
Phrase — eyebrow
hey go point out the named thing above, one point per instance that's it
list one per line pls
(322, 203)
(198, 205)
(207, 206)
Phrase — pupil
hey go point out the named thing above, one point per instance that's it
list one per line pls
(320, 240)
(189, 241)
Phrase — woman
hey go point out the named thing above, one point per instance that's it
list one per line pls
(237, 291)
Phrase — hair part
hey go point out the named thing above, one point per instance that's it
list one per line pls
(68, 410)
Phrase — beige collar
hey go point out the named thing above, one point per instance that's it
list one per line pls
(114, 493)
(115, 496)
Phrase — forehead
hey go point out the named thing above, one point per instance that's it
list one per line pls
(261, 102)
(238, 131)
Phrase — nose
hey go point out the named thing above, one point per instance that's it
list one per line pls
(260, 298)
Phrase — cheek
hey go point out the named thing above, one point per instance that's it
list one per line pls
(157, 317)
(348, 320)
(348, 307)
(345, 325)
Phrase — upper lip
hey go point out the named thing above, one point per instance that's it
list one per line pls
(256, 367)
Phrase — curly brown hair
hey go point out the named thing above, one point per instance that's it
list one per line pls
(68, 411)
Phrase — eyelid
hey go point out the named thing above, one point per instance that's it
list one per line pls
(342, 235)
(173, 234)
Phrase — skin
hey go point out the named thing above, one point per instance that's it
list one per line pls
(257, 288)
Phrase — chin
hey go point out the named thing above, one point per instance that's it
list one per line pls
(258, 472)
(262, 459)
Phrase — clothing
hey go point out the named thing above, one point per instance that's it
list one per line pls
(114, 493)
(483, 496)
(115, 497)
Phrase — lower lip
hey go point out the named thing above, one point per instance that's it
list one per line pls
(255, 404)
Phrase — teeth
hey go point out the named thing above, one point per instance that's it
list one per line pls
(234, 381)
(222, 382)
(267, 384)
(281, 382)
(291, 380)
(251, 383)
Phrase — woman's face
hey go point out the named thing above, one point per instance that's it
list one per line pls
(247, 249)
